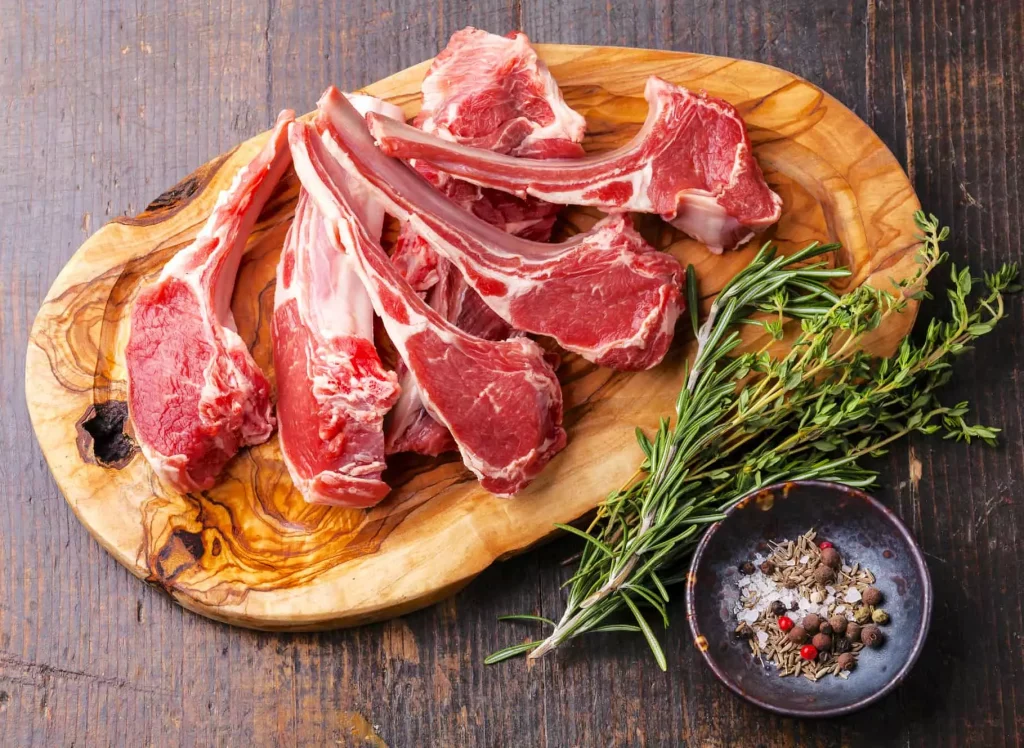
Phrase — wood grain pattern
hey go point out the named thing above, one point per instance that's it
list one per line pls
(250, 551)
(107, 103)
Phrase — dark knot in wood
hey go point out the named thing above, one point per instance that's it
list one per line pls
(101, 435)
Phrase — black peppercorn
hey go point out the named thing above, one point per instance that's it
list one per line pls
(853, 632)
(841, 644)
(847, 661)
(838, 624)
(767, 567)
(871, 596)
(830, 557)
(793, 605)
(747, 567)
(811, 623)
(797, 635)
(871, 636)
(778, 608)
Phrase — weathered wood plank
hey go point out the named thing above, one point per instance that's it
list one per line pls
(87, 654)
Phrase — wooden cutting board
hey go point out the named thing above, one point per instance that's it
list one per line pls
(250, 551)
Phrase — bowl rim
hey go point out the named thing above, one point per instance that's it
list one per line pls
(894, 680)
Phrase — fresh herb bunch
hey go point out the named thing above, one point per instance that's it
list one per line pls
(747, 421)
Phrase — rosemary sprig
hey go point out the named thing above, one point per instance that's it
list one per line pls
(746, 421)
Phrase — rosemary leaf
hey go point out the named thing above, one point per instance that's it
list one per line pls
(526, 617)
(509, 652)
(612, 627)
(743, 421)
(659, 654)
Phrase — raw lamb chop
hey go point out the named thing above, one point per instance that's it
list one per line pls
(194, 392)
(499, 399)
(691, 162)
(605, 294)
(491, 91)
(332, 390)
(411, 428)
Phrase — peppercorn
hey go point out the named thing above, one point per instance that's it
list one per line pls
(871, 596)
(831, 558)
(825, 627)
(823, 642)
(808, 652)
(793, 605)
(871, 636)
(778, 608)
(824, 544)
(853, 632)
(879, 616)
(767, 567)
(811, 623)
(847, 661)
(743, 631)
(747, 567)
(862, 614)
(838, 624)
(824, 574)
(797, 635)
(785, 623)
(841, 644)
(823, 657)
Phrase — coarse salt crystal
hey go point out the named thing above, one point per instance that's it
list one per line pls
(847, 569)
(840, 609)
(852, 595)
(748, 616)
(804, 559)
(762, 638)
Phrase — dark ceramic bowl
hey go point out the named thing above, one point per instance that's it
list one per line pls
(863, 531)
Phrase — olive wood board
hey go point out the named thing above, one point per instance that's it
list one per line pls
(249, 551)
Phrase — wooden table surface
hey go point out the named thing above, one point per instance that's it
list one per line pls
(107, 102)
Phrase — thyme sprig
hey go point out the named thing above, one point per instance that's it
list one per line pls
(749, 420)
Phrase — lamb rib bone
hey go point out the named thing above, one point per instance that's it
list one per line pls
(691, 162)
(500, 400)
(194, 392)
(487, 91)
(605, 294)
(332, 390)
(493, 92)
